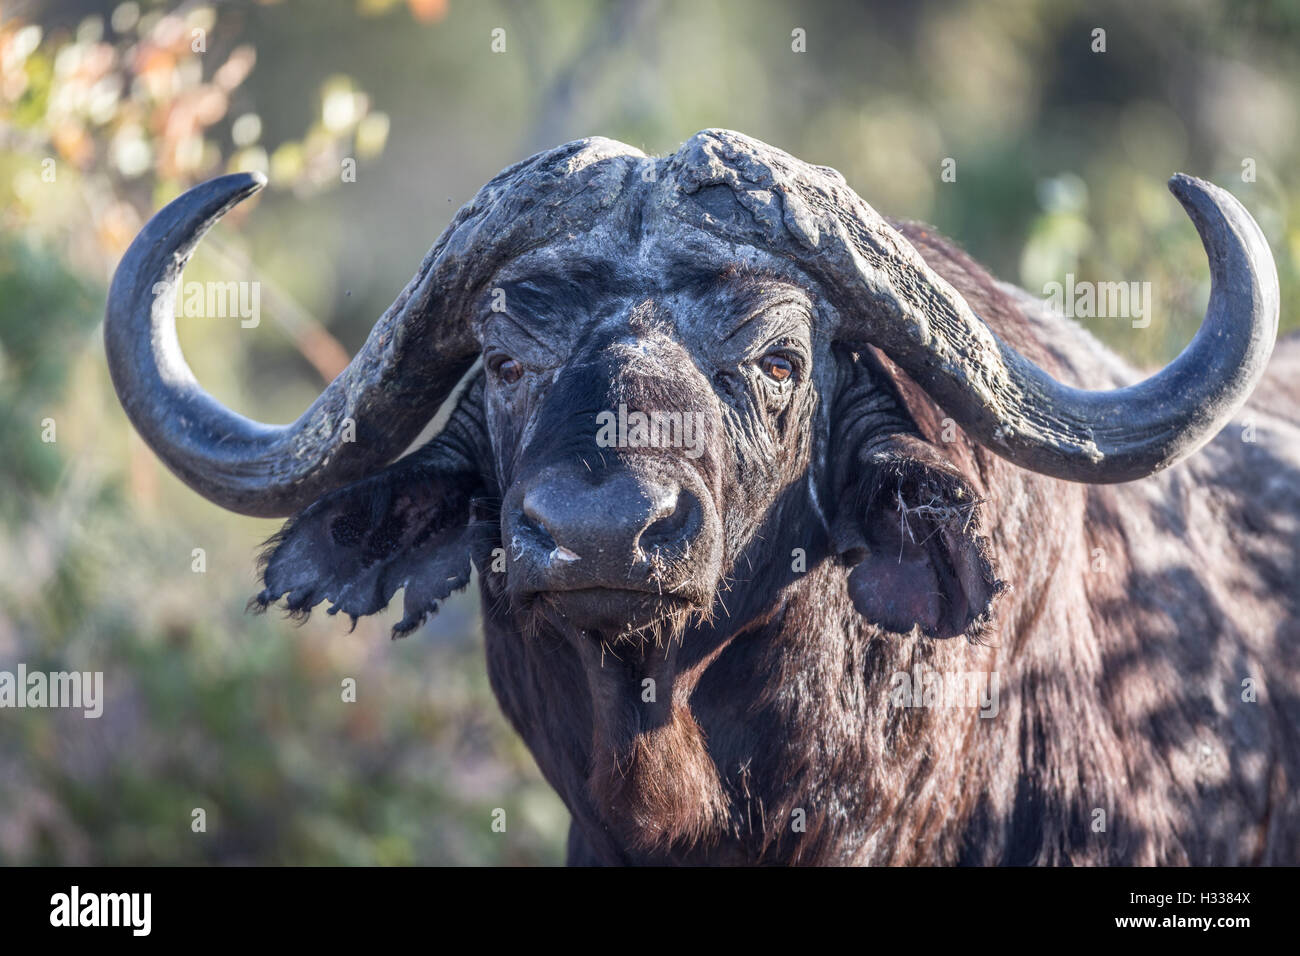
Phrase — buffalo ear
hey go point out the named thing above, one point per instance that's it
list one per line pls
(407, 526)
(913, 530)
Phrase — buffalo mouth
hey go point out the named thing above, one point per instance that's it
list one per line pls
(610, 613)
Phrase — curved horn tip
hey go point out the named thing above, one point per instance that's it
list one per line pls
(256, 178)
(229, 190)
(1200, 196)
(1220, 218)
(1181, 184)
(243, 184)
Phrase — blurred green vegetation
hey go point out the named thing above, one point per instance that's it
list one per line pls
(109, 109)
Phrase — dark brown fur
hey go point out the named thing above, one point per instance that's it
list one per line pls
(1121, 622)
(1120, 687)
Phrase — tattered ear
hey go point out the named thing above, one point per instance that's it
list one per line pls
(407, 526)
(913, 530)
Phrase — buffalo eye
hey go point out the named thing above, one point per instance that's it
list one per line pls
(776, 367)
(506, 369)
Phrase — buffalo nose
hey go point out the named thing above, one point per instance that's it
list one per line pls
(617, 521)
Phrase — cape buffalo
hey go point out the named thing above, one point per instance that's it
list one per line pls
(736, 456)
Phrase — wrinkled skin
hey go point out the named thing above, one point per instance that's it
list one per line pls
(645, 347)
(825, 539)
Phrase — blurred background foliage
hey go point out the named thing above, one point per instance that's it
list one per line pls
(107, 110)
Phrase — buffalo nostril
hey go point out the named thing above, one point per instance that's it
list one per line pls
(672, 520)
(537, 521)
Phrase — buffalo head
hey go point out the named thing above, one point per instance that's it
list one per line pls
(683, 360)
